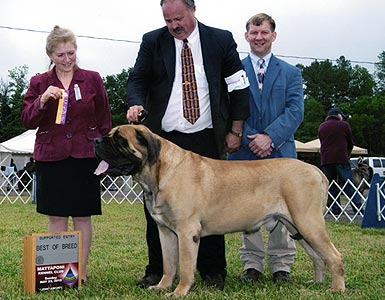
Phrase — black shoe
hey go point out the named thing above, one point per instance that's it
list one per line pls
(148, 280)
(215, 281)
(250, 275)
(282, 276)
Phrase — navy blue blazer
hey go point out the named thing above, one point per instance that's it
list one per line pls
(152, 77)
(277, 111)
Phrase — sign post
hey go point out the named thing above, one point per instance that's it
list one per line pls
(52, 261)
(375, 205)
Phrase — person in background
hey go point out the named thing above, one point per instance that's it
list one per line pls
(13, 165)
(336, 140)
(30, 166)
(12, 173)
(276, 111)
(31, 179)
(221, 87)
(70, 108)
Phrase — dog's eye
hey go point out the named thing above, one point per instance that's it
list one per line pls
(141, 139)
(122, 142)
(119, 141)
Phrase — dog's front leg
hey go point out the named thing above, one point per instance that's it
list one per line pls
(169, 244)
(188, 253)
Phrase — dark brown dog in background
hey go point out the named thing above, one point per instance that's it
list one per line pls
(190, 196)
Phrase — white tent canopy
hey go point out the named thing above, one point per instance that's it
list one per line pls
(302, 147)
(20, 148)
(315, 145)
(22, 143)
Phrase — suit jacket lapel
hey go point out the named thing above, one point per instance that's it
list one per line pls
(253, 81)
(208, 52)
(168, 54)
(271, 74)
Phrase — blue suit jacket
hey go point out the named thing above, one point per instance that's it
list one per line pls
(277, 111)
(150, 83)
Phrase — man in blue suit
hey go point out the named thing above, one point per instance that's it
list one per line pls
(276, 111)
(155, 84)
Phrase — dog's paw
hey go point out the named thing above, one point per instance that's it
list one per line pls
(175, 294)
(339, 290)
(157, 287)
(178, 292)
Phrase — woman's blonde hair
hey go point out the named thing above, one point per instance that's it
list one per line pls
(57, 36)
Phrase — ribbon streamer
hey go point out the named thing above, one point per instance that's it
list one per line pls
(62, 108)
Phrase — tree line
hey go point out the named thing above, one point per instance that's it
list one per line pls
(357, 92)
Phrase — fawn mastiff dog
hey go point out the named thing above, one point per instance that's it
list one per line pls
(190, 196)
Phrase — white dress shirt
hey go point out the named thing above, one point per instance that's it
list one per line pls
(254, 61)
(173, 118)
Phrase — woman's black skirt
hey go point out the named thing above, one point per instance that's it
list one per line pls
(68, 188)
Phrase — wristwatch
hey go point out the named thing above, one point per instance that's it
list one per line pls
(238, 134)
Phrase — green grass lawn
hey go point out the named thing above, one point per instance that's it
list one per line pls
(119, 255)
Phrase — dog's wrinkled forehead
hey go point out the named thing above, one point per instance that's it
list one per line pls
(131, 137)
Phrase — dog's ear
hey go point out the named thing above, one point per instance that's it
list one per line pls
(152, 144)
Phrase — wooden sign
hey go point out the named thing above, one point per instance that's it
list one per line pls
(52, 261)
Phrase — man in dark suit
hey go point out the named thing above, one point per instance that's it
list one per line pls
(155, 84)
(276, 111)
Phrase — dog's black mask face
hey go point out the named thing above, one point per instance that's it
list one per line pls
(116, 152)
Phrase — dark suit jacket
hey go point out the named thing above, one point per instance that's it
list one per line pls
(151, 80)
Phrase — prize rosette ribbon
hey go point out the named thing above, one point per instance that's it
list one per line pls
(62, 108)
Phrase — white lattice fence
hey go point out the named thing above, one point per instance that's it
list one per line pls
(124, 189)
(344, 202)
(114, 189)
(121, 189)
(15, 187)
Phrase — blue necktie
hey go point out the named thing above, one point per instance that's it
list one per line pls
(261, 73)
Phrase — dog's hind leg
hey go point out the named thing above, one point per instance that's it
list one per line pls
(318, 245)
(169, 244)
(318, 263)
(322, 245)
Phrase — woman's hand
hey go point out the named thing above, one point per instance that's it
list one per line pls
(52, 92)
